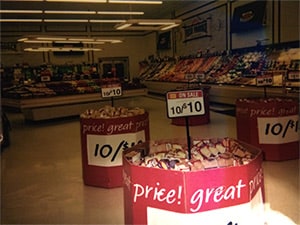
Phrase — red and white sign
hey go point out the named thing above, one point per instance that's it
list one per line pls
(185, 103)
(102, 144)
(233, 194)
(111, 90)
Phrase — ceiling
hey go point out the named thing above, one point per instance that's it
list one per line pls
(166, 10)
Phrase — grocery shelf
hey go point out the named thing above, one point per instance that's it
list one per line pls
(221, 93)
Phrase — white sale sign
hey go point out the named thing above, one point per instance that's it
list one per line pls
(245, 214)
(106, 150)
(278, 130)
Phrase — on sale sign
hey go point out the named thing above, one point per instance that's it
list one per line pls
(185, 103)
(111, 90)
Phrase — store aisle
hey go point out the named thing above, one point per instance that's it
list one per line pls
(41, 175)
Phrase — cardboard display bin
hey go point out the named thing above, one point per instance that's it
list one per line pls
(228, 195)
(102, 142)
(271, 124)
(197, 120)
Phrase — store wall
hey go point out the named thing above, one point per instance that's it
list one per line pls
(211, 20)
(135, 48)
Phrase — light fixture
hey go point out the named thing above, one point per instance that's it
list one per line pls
(69, 12)
(68, 40)
(150, 24)
(21, 20)
(107, 21)
(80, 1)
(135, 1)
(22, 11)
(63, 49)
(51, 38)
(65, 21)
(119, 13)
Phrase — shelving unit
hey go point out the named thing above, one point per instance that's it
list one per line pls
(225, 94)
(36, 109)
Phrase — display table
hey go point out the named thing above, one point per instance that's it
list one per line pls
(224, 94)
(61, 106)
(270, 124)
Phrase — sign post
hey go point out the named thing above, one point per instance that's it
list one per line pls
(185, 104)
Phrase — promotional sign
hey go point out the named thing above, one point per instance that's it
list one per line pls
(103, 140)
(228, 195)
(111, 90)
(271, 124)
(264, 80)
(185, 103)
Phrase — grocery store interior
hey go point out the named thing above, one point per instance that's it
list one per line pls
(195, 69)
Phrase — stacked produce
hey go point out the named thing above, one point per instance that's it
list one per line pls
(205, 154)
(236, 68)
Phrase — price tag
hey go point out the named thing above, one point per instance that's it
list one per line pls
(200, 76)
(293, 75)
(189, 76)
(185, 103)
(111, 90)
(264, 80)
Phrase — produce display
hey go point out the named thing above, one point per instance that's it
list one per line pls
(223, 68)
(205, 154)
(108, 112)
(60, 88)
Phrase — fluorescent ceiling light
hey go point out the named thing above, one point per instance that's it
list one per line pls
(107, 21)
(82, 1)
(69, 40)
(135, 2)
(119, 13)
(80, 39)
(147, 24)
(65, 21)
(123, 26)
(52, 38)
(22, 0)
(21, 20)
(170, 26)
(69, 12)
(93, 42)
(37, 41)
(63, 49)
(21, 11)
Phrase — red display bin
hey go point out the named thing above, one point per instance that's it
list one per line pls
(197, 120)
(271, 124)
(228, 195)
(102, 143)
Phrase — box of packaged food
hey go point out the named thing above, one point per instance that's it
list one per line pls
(219, 181)
(105, 133)
(271, 124)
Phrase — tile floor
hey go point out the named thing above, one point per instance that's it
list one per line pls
(41, 174)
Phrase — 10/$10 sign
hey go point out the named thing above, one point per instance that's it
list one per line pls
(185, 103)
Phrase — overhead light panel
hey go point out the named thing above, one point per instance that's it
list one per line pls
(155, 24)
(21, 20)
(69, 12)
(70, 40)
(107, 21)
(119, 13)
(80, 1)
(135, 2)
(22, 11)
(63, 49)
(66, 21)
